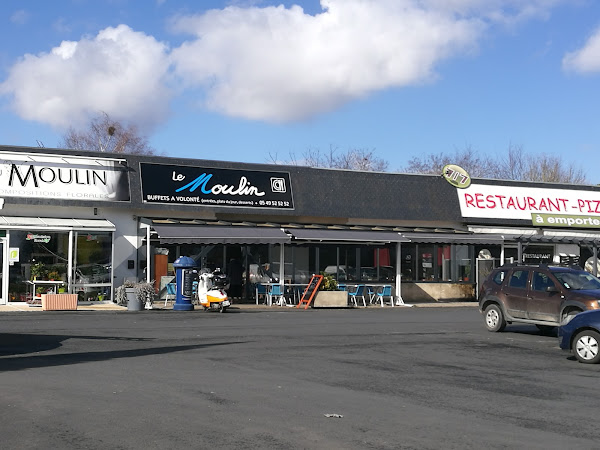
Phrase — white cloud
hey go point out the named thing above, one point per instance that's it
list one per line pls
(281, 64)
(262, 63)
(120, 72)
(19, 17)
(587, 58)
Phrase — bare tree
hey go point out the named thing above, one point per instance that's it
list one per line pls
(544, 168)
(515, 165)
(352, 159)
(468, 159)
(107, 135)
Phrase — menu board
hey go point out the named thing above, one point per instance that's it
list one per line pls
(310, 291)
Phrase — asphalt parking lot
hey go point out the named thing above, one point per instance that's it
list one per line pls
(411, 378)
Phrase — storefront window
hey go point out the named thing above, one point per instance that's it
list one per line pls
(444, 257)
(438, 262)
(377, 264)
(364, 264)
(43, 255)
(408, 269)
(586, 259)
(348, 261)
(539, 254)
(93, 266)
(296, 265)
(331, 263)
(464, 263)
(425, 263)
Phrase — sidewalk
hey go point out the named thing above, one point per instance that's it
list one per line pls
(159, 305)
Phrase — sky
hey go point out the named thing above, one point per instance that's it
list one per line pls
(262, 81)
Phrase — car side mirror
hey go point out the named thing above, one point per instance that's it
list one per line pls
(552, 289)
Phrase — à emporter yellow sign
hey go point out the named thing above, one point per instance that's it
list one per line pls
(564, 220)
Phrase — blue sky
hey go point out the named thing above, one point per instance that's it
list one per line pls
(252, 80)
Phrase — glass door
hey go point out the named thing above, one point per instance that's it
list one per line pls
(92, 266)
(4, 267)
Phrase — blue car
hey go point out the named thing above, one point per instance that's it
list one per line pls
(581, 335)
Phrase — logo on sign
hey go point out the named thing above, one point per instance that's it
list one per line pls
(13, 254)
(41, 238)
(456, 176)
(278, 185)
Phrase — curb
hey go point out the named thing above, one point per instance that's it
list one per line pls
(244, 306)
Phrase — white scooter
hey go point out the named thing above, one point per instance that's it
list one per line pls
(211, 291)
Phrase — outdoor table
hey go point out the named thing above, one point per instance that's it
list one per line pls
(51, 284)
(289, 293)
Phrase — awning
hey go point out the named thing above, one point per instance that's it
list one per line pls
(200, 234)
(567, 239)
(449, 238)
(532, 235)
(363, 236)
(12, 222)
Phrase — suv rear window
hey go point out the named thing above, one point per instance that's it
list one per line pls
(499, 277)
(541, 281)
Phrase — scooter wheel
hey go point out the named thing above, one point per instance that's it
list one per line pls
(222, 309)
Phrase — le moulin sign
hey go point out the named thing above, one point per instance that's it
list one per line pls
(209, 186)
(40, 175)
(566, 208)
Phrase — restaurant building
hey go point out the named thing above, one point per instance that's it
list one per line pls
(84, 222)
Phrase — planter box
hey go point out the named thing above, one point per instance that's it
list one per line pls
(59, 302)
(331, 299)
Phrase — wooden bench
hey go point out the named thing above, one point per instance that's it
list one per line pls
(59, 302)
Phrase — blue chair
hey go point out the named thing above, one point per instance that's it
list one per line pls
(341, 287)
(359, 292)
(385, 292)
(171, 292)
(261, 291)
(372, 293)
(276, 292)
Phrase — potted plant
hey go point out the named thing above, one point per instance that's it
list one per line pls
(329, 296)
(135, 295)
(128, 287)
(38, 270)
(53, 275)
(329, 283)
(145, 293)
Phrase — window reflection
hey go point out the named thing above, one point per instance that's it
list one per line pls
(43, 255)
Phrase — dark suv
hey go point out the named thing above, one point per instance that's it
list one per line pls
(541, 295)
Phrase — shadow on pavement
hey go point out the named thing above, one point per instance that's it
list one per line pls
(15, 344)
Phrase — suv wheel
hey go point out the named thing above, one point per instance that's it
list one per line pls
(585, 347)
(494, 319)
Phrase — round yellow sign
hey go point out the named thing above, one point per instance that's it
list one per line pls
(456, 176)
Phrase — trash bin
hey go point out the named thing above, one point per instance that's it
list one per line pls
(133, 302)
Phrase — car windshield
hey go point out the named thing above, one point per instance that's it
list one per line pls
(577, 280)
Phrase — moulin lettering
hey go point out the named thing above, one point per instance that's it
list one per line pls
(242, 188)
(49, 175)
